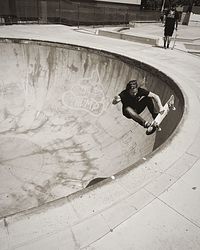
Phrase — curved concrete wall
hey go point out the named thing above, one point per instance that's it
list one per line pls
(58, 128)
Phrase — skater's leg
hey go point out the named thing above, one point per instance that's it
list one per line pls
(151, 107)
(137, 118)
(147, 102)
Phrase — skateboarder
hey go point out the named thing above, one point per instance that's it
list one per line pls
(134, 100)
(171, 22)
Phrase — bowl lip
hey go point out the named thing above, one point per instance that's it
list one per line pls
(179, 91)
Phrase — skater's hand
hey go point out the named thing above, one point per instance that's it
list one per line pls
(116, 100)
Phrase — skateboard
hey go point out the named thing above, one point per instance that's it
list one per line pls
(155, 125)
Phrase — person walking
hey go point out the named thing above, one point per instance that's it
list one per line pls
(171, 22)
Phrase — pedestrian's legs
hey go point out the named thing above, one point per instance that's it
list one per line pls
(165, 41)
(168, 41)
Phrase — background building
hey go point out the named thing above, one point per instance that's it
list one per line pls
(73, 12)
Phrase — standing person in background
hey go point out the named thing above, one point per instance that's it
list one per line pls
(171, 22)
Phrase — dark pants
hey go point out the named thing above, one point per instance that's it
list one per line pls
(146, 102)
(142, 104)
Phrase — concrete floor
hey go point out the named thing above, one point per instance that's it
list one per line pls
(153, 204)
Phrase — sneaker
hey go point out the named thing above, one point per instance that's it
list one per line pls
(151, 129)
(147, 124)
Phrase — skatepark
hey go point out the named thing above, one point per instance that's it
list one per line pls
(59, 130)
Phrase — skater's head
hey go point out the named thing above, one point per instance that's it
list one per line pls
(132, 87)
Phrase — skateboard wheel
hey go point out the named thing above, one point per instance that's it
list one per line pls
(150, 130)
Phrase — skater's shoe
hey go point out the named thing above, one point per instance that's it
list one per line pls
(147, 124)
(151, 129)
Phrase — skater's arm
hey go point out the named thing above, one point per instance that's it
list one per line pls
(116, 99)
(157, 100)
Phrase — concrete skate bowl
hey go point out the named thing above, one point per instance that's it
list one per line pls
(58, 128)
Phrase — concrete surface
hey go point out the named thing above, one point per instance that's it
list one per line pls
(153, 204)
(188, 39)
(57, 116)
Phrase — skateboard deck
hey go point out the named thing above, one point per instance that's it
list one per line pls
(155, 125)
